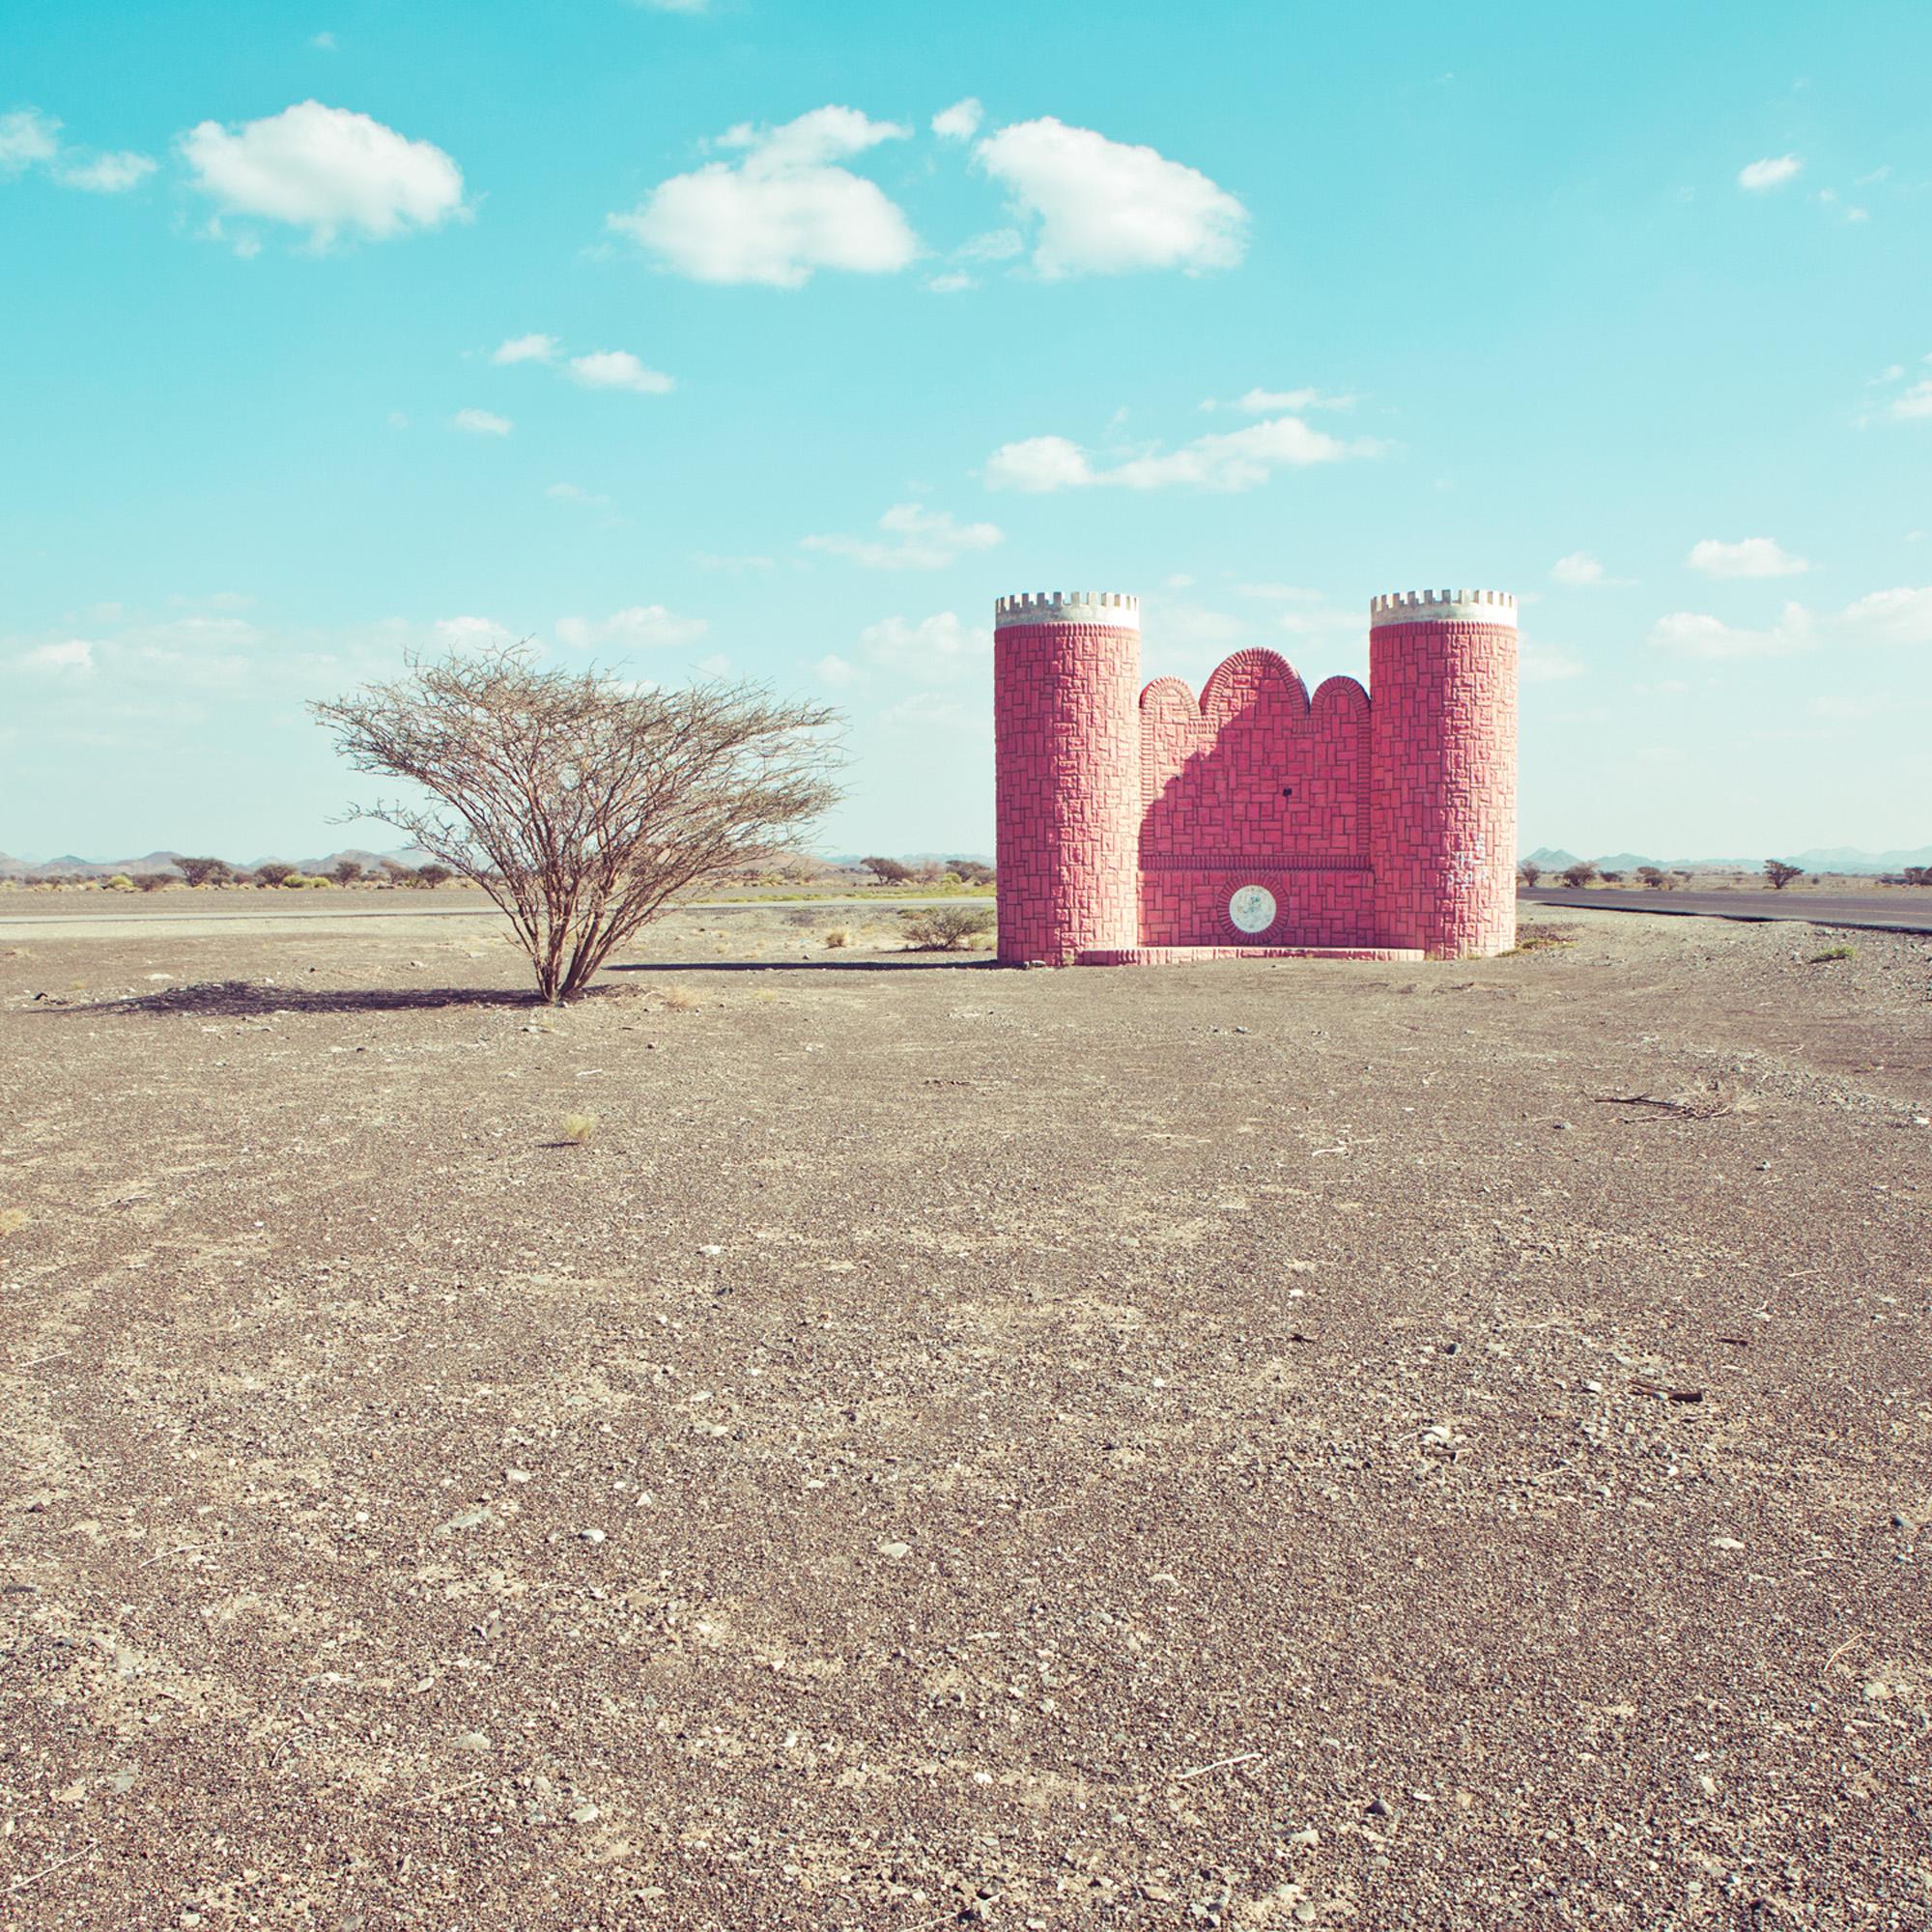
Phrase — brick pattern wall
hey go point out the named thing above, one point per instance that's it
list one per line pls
(1068, 803)
(1255, 786)
(1443, 797)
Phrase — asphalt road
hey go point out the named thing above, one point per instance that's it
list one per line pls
(1891, 909)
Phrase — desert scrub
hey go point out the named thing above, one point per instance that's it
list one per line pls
(1832, 953)
(1541, 939)
(945, 928)
(840, 935)
(681, 999)
(578, 1128)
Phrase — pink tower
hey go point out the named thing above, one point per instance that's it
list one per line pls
(1442, 788)
(1067, 773)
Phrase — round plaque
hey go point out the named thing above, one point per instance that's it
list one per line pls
(1252, 909)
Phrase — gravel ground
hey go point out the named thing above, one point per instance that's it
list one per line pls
(1260, 1445)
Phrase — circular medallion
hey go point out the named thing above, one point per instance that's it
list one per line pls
(1252, 909)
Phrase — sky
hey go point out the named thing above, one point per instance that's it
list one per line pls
(776, 338)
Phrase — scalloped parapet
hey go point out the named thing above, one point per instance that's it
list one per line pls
(1443, 607)
(1114, 609)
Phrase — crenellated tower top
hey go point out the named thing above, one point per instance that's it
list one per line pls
(1114, 609)
(1443, 607)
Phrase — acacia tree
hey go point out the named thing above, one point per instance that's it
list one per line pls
(1780, 873)
(578, 801)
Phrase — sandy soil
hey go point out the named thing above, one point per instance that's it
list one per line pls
(1254, 1446)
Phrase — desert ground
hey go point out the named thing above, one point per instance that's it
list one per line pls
(1255, 1445)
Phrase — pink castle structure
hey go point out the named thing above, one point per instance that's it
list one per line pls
(1157, 828)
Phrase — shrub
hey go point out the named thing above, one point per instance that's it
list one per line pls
(1833, 953)
(582, 802)
(888, 871)
(681, 999)
(429, 877)
(1780, 873)
(1529, 871)
(274, 873)
(578, 1128)
(206, 871)
(152, 882)
(1614, 878)
(1919, 875)
(945, 928)
(972, 872)
(839, 936)
(1655, 878)
(345, 871)
(1578, 876)
(119, 883)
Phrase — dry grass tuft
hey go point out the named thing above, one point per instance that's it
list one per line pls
(1541, 939)
(840, 935)
(12, 1220)
(578, 1128)
(681, 999)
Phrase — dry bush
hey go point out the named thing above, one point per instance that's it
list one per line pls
(839, 936)
(578, 1128)
(945, 928)
(681, 999)
(1541, 939)
(12, 1220)
(580, 802)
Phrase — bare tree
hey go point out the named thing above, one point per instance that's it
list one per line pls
(1780, 873)
(345, 871)
(1529, 871)
(888, 871)
(579, 802)
(1578, 875)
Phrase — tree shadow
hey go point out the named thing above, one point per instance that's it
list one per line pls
(922, 962)
(244, 999)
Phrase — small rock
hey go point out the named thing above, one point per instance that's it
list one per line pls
(1377, 1810)
(590, 1535)
(895, 1550)
(1305, 1839)
(1725, 1542)
(586, 1814)
(472, 1741)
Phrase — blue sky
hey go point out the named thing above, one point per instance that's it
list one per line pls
(681, 337)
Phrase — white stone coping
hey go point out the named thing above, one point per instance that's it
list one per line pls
(1443, 607)
(1114, 609)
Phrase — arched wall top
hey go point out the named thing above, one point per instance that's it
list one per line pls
(1250, 677)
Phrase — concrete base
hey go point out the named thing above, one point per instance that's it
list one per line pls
(1195, 956)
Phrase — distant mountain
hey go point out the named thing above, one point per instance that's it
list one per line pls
(1817, 859)
(70, 867)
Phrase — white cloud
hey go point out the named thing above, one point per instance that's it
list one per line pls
(960, 122)
(674, 6)
(324, 169)
(1038, 463)
(1270, 402)
(920, 539)
(1773, 171)
(1692, 634)
(1106, 208)
(951, 283)
(783, 211)
(618, 369)
(1915, 405)
(481, 422)
(77, 654)
(27, 138)
(462, 634)
(641, 627)
(836, 671)
(996, 244)
(107, 174)
(571, 493)
(1580, 570)
(1545, 663)
(1239, 460)
(1890, 617)
(322, 42)
(933, 650)
(525, 349)
(1752, 557)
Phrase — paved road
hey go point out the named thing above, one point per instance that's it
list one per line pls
(278, 910)
(1887, 909)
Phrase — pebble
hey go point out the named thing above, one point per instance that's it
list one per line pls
(895, 1550)
(586, 1814)
(1377, 1810)
(1303, 1839)
(590, 1535)
(472, 1741)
